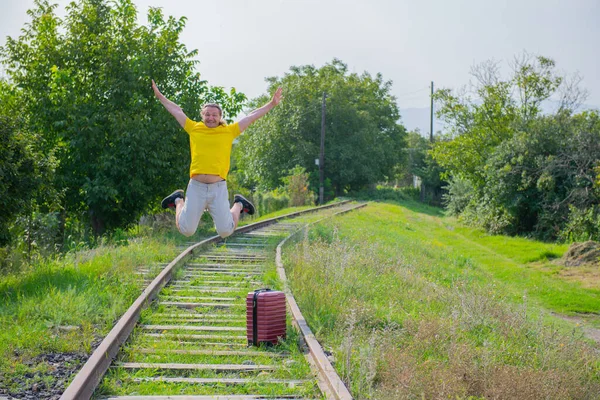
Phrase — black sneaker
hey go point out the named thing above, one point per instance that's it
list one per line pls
(169, 201)
(247, 207)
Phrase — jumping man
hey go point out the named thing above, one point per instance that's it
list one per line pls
(210, 145)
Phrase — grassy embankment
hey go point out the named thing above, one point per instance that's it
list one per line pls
(449, 310)
(87, 290)
(414, 305)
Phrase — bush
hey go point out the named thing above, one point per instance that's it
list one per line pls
(268, 202)
(328, 190)
(540, 182)
(489, 215)
(582, 225)
(11, 261)
(296, 187)
(459, 193)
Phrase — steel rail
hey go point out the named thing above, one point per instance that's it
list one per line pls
(89, 376)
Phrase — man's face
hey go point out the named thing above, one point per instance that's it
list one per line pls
(211, 116)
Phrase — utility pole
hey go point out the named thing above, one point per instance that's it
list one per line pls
(431, 116)
(322, 155)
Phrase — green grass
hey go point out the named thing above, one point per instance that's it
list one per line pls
(87, 289)
(119, 381)
(416, 305)
(411, 303)
(491, 259)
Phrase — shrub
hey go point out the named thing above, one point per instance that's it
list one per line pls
(458, 196)
(296, 187)
(582, 225)
(268, 202)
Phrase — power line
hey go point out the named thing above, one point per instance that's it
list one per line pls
(409, 93)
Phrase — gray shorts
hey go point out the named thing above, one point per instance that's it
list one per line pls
(211, 196)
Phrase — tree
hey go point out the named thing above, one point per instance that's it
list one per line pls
(86, 87)
(296, 187)
(19, 167)
(514, 169)
(413, 160)
(363, 141)
(498, 109)
(538, 178)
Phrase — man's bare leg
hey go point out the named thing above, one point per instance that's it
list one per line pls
(235, 213)
(179, 203)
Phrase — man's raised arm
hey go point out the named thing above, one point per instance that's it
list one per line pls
(259, 112)
(171, 107)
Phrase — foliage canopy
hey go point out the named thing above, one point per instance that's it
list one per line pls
(515, 169)
(363, 140)
(85, 81)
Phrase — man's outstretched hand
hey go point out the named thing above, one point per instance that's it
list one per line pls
(155, 88)
(277, 96)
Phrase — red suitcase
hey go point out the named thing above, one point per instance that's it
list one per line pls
(265, 316)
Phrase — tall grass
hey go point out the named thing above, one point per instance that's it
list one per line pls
(410, 313)
(86, 291)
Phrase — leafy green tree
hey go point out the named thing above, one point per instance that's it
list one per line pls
(25, 188)
(18, 164)
(363, 140)
(539, 178)
(417, 161)
(86, 87)
(494, 111)
(514, 169)
(413, 160)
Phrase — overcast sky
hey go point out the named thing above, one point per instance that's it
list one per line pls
(410, 42)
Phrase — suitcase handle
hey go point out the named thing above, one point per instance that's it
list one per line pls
(255, 314)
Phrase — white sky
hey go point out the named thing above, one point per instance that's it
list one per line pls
(410, 42)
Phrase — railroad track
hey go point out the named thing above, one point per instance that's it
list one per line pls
(185, 336)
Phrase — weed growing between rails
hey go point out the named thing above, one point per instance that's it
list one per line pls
(406, 321)
(120, 382)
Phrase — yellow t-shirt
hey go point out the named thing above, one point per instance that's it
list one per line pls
(210, 147)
